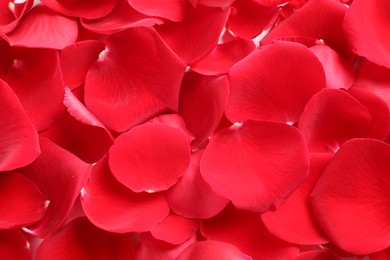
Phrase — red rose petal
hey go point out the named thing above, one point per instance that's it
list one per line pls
(19, 143)
(381, 255)
(147, 151)
(274, 83)
(192, 197)
(369, 43)
(173, 10)
(332, 117)
(90, 9)
(175, 229)
(351, 199)
(246, 231)
(127, 86)
(297, 209)
(317, 255)
(223, 57)
(7, 58)
(212, 3)
(202, 102)
(197, 34)
(113, 207)
(212, 250)
(60, 176)
(79, 239)
(43, 28)
(22, 203)
(256, 164)
(11, 12)
(14, 245)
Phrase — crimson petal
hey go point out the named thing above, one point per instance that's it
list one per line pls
(173, 10)
(113, 207)
(11, 12)
(212, 3)
(256, 164)
(351, 199)
(127, 86)
(274, 83)
(317, 255)
(19, 143)
(79, 239)
(14, 245)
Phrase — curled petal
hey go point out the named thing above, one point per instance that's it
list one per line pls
(14, 245)
(173, 10)
(256, 164)
(11, 12)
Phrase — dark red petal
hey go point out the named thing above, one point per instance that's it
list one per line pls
(43, 28)
(212, 250)
(351, 199)
(319, 19)
(175, 229)
(197, 34)
(381, 255)
(150, 157)
(11, 12)
(113, 207)
(251, 18)
(60, 176)
(122, 17)
(212, 3)
(202, 103)
(40, 71)
(21, 202)
(7, 58)
(256, 164)
(127, 86)
(75, 69)
(297, 209)
(246, 231)
(223, 57)
(332, 117)
(19, 143)
(80, 239)
(192, 197)
(173, 10)
(317, 255)
(274, 83)
(90, 9)
(369, 43)
(339, 72)
(14, 245)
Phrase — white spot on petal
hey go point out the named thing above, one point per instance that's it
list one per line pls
(47, 202)
(82, 192)
(28, 231)
(150, 191)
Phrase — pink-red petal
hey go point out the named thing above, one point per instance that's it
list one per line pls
(173, 10)
(11, 12)
(14, 245)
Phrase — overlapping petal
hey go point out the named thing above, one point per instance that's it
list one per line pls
(212, 3)
(11, 12)
(14, 245)
(256, 164)
(174, 10)
(317, 255)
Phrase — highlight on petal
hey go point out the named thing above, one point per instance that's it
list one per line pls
(60, 176)
(14, 245)
(369, 43)
(202, 102)
(332, 117)
(150, 157)
(79, 239)
(274, 83)
(127, 86)
(212, 250)
(173, 10)
(113, 207)
(19, 143)
(192, 197)
(43, 28)
(197, 34)
(255, 164)
(351, 199)
(11, 12)
(21, 202)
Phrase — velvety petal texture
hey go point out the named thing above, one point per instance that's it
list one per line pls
(255, 164)
(173, 10)
(14, 245)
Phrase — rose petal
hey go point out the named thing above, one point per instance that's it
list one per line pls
(274, 83)
(351, 199)
(255, 164)
(127, 86)
(317, 255)
(79, 239)
(113, 207)
(212, 3)
(19, 143)
(11, 12)
(332, 117)
(173, 10)
(14, 245)
(22, 203)
(146, 151)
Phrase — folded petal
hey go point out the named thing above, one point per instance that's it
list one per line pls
(19, 143)
(317, 255)
(113, 207)
(14, 245)
(351, 199)
(80, 239)
(150, 157)
(127, 86)
(11, 12)
(256, 164)
(274, 83)
(173, 10)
